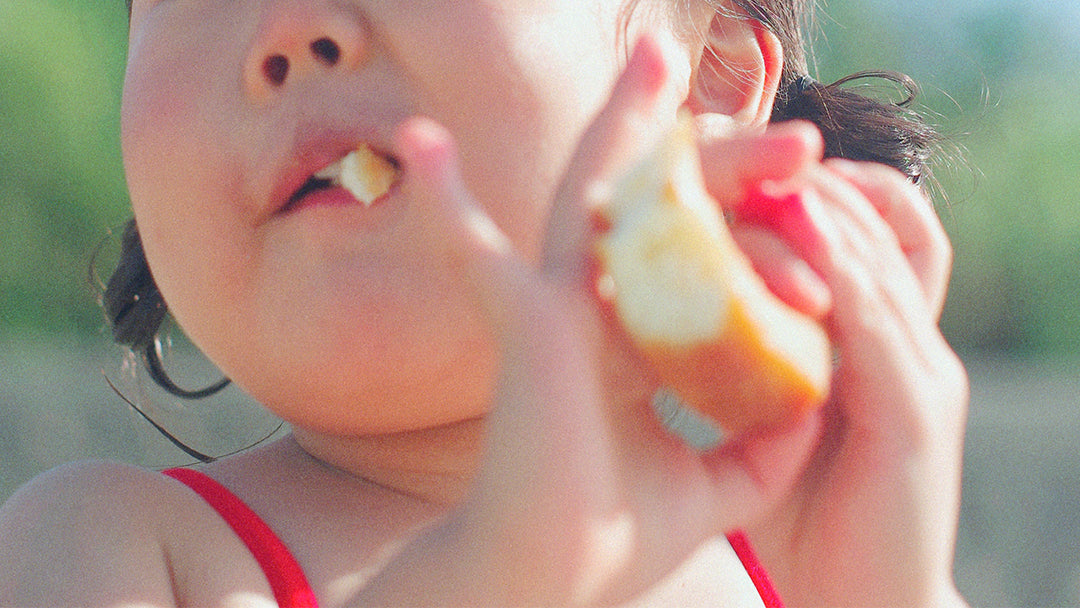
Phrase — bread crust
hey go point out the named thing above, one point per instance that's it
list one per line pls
(690, 301)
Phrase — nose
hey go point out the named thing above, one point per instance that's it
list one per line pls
(297, 40)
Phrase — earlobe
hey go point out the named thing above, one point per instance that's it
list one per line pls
(738, 73)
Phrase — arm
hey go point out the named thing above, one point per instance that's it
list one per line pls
(81, 535)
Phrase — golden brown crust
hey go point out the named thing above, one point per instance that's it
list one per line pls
(689, 299)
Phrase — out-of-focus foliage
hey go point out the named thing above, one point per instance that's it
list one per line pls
(996, 74)
(61, 184)
(998, 78)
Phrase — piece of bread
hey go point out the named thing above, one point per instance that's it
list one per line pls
(367, 175)
(690, 301)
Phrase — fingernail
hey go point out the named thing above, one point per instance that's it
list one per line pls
(422, 142)
(429, 154)
(844, 166)
(811, 224)
(804, 132)
(817, 296)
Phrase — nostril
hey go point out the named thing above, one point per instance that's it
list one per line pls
(276, 69)
(326, 51)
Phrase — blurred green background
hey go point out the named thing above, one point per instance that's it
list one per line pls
(998, 77)
(61, 181)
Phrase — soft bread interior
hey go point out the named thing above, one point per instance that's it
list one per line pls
(689, 299)
(366, 175)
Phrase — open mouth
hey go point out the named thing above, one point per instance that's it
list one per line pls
(364, 173)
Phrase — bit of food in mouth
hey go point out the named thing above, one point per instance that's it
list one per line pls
(690, 301)
(365, 174)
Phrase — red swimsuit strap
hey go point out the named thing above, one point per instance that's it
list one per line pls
(741, 544)
(287, 580)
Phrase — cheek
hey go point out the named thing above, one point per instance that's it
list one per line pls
(182, 184)
(521, 123)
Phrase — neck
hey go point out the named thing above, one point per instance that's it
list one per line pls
(434, 465)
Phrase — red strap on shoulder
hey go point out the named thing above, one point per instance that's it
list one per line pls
(288, 583)
(741, 544)
(287, 580)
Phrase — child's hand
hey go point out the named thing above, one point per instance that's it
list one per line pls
(582, 496)
(873, 520)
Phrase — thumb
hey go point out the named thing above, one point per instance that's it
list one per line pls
(756, 471)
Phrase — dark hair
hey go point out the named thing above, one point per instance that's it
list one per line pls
(854, 126)
(136, 310)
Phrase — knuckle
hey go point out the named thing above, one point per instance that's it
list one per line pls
(888, 175)
(958, 386)
(945, 396)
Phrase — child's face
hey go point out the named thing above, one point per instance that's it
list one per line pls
(345, 306)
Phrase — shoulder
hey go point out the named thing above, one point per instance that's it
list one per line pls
(87, 533)
(85, 494)
(97, 497)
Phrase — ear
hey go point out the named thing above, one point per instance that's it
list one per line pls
(738, 73)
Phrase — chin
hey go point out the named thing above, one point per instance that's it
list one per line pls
(358, 380)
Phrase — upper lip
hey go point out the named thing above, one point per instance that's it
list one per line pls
(313, 151)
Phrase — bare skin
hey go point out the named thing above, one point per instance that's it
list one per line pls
(513, 459)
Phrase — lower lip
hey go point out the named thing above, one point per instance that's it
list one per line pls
(337, 197)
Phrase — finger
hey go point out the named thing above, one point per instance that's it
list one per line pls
(734, 164)
(545, 435)
(811, 219)
(911, 216)
(626, 126)
(785, 273)
(860, 260)
(482, 253)
(887, 338)
(871, 245)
